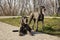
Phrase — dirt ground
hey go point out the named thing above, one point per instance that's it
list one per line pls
(6, 33)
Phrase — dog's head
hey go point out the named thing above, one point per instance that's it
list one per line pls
(24, 20)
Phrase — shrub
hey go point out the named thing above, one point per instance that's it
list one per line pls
(48, 27)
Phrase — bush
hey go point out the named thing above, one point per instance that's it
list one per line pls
(48, 27)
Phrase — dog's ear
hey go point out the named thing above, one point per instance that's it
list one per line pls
(26, 20)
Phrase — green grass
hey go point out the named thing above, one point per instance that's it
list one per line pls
(12, 21)
(52, 26)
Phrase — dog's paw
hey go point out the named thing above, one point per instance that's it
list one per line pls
(21, 34)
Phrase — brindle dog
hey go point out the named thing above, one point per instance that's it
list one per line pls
(25, 27)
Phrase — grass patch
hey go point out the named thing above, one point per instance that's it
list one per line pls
(12, 21)
(52, 26)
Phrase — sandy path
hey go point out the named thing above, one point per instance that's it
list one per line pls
(7, 34)
(27, 16)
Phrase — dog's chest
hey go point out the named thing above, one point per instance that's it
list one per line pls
(36, 15)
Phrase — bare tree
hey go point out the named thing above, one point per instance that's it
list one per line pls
(19, 7)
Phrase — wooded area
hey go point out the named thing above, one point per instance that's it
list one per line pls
(24, 7)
